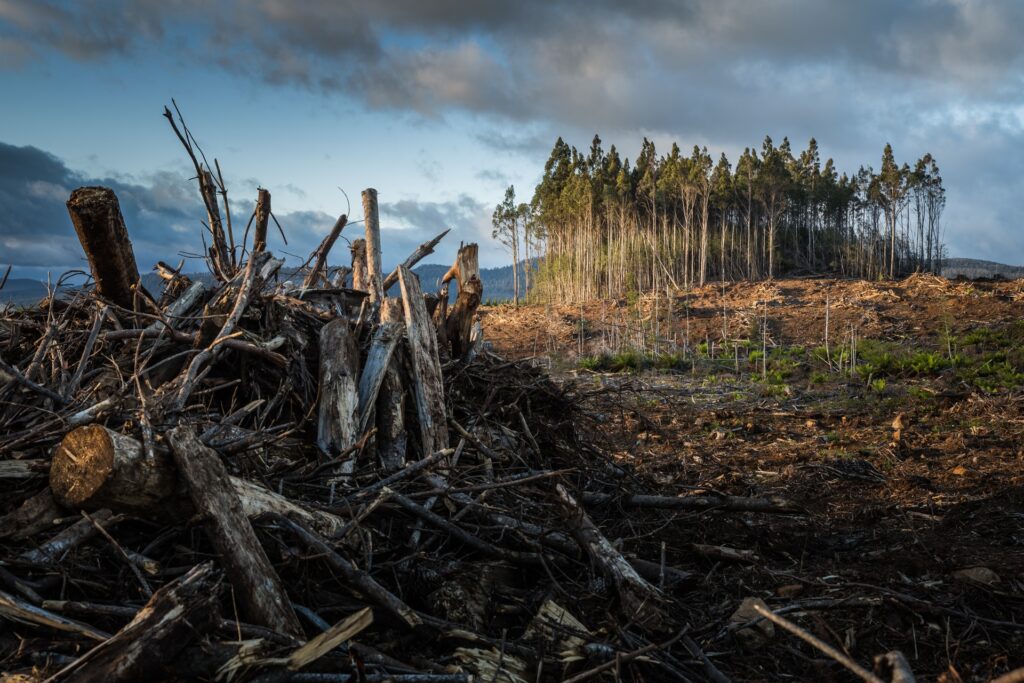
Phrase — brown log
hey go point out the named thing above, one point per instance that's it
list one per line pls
(258, 588)
(427, 383)
(640, 600)
(176, 613)
(459, 323)
(96, 215)
(375, 278)
(320, 262)
(338, 411)
(359, 276)
(95, 467)
(259, 237)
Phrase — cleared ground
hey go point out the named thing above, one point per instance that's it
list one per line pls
(908, 461)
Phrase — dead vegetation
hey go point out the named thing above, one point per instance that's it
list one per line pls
(328, 477)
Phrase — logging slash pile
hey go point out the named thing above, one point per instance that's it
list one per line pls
(318, 474)
(300, 478)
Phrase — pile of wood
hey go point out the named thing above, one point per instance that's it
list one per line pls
(319, 476)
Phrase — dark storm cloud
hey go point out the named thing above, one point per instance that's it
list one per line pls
(163, 214)
(718, 72)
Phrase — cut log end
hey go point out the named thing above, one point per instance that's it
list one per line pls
(82, 464)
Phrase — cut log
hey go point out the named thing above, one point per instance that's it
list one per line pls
(320, 260)
(338, 417)
(359, 276)
(459, 323)
(69, 539)
(428, 387)
(640, 600)
(175, 614)
(382, 346)
(259, 237)
(375, 277)
(392, 438)
(95, 467)
(96, 215)
(258, 589)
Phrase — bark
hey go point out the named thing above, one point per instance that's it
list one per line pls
(427, 384)
(338, 416)
(459, 323)
(259, 238)
(359, 275)
(95, 467)
(392, 438)
(640, 600)
(258, 589)
(375, 277)
(96, 215)
(159, 631)
(322, 251)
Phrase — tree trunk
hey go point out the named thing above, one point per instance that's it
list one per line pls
(338, 417)
(373, 267)
(259, 238)
(359, 276)
(428, 387)
(96, 215)
(176, 613)
(95, 467)
(258, 589)
(459, 323)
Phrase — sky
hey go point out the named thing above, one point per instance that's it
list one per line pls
(440, 105)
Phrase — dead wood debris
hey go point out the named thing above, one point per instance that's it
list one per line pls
(244, 488)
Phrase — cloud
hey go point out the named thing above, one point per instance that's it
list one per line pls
(716, 72)
(163, 213)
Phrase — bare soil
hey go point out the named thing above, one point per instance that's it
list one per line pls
(904, 484)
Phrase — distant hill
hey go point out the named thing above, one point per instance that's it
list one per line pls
(975, 268)
(497, 284)
(22, 291)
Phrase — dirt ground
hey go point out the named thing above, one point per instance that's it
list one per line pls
(912, 486)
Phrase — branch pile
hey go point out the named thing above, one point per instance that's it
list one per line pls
(319, 476)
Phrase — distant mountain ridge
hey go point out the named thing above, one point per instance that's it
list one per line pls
(497, 281)
(497, 284)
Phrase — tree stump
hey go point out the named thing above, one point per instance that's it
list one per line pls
(96, 215)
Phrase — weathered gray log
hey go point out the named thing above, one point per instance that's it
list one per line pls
(640, 601)
(427, 383)
(95, 467)
(34, 515)
(392, 438)
(178, 612)
(258, 588)
(96, 215)
(320, 260)
(338, 411)
(354, 577)
(459, 323)
(382, 346)
(16, 609)
(359, 276)
(259, 236)
(375, 277)
(182, 305)
(415, 257)
(68, 539)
